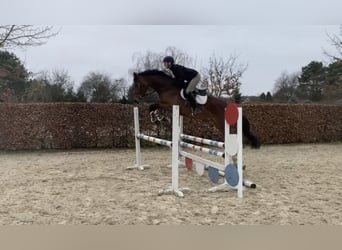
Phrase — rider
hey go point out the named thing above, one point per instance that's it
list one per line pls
(186, 78)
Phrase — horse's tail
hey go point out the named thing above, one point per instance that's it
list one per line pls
(255, 142)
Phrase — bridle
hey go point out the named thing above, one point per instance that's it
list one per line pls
(148, 93)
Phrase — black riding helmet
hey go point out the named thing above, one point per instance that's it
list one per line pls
(169, 59)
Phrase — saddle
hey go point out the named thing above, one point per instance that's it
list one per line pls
(201, 95)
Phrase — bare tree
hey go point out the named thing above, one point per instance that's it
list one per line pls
(180, 56)
(38, 91)
(24, 35)
(223, 76)
(336, 42)
(153, 60)
(61, 78)
(148, 60)
(61, 86)
(286, 86)
(120, 87)
(98, 87)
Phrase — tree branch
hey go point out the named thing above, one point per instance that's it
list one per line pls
(24, 35)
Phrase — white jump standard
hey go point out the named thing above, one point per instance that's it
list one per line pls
(174, 189)
(232, 146)
(174, 144)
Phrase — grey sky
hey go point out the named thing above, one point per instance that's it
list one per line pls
(268, 50)
(270, 35)
(142, 12)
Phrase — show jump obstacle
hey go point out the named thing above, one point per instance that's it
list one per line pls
(232, 154)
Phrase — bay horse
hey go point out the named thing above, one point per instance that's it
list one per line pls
(169, 94)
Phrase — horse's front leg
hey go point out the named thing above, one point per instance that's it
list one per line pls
(155, 114)
(153, 107)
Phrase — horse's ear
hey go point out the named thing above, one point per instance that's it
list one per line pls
(135, 75)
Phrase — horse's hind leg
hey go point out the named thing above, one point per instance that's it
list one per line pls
(219, 123)
(255, 142)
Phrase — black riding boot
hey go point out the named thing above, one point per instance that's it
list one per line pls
(192, 100)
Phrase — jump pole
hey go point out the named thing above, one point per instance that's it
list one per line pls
(226, 154)
(138, 164)
(174, 189)
(174, 144)
(238, 136)
(177, 134)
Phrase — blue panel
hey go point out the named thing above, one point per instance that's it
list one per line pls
(213, 174)
(231, 174)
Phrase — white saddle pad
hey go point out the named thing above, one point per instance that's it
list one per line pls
(199, 98)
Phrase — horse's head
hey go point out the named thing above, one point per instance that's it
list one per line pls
(140, 87)
(155, 80)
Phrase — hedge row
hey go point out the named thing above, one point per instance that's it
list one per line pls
(80, 125)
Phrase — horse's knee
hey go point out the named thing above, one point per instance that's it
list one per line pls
(153, 107)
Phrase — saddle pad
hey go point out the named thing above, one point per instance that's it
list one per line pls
(199, 98)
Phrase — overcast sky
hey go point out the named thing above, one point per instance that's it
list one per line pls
(271, 36)
(233, 12)
(268, 50)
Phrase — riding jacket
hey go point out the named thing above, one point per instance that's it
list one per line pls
(183, 75)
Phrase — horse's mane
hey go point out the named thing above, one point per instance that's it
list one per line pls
(154, 72)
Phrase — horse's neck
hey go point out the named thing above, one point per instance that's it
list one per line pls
(159, 85)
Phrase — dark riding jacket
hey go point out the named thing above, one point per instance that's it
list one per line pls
(183, 74)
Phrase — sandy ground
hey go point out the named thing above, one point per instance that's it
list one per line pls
(296, 184)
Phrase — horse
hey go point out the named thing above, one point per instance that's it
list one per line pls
(169, 94)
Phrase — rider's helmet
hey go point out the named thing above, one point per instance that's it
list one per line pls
(169, 59)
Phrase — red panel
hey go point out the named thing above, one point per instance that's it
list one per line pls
(188, 163)
(232, 114)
